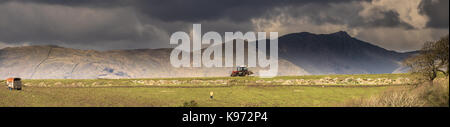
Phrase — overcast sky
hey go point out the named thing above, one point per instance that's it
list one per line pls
(401, 25)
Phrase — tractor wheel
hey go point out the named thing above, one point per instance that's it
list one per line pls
(246, 74)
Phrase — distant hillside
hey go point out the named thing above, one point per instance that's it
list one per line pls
(53, 62)
(338, 53)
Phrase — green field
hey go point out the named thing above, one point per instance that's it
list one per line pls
(223, 96)
(236, 92)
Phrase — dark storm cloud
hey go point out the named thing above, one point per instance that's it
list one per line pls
(238, 10)
(437, 11)
(192, 10)
(343, 13)
(90, 3)
(122, 23)
(390, 19)
(116, 24)
(45, 24)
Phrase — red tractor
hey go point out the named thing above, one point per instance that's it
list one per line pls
(241, 71)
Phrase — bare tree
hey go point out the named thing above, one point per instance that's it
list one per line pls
(442, 53)
(433, 58)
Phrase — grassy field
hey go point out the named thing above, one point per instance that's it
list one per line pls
(234, 92)
(223, 96)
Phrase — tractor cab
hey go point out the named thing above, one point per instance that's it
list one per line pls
(242, 69)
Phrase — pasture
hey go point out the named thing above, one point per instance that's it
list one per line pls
(291, 91)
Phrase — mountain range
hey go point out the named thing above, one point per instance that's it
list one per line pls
(338, 53)
(299, 54)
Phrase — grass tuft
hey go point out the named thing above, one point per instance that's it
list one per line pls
(422, 95)
(192, 103)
